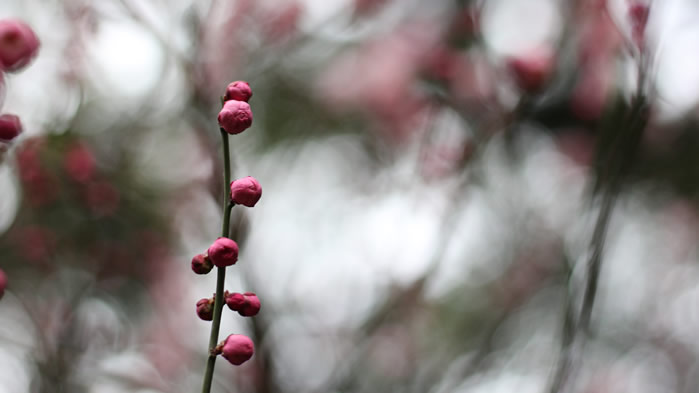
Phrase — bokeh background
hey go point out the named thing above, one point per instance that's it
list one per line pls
(424, 221)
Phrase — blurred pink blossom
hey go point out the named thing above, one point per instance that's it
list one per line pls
(281, 21)
(18, 45)
(592, 89)
(10, 127)
(379, 79)
(79, 163)
(471, 81)
(531, 69)
(599, 42)
(638, 13)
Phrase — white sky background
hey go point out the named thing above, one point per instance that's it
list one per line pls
(355, 242)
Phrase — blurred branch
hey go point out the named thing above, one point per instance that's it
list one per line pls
(565, 358)
(619, 159)
(402, 299)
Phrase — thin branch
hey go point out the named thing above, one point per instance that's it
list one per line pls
(221, 271)
(619, 160)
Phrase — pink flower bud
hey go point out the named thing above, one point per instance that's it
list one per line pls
(235, 117)
(246, 191)
(3, 283)
(235, 301)
(18, 45)
(205, 309)
(224, 252)
(10, 127)
(531, 71)
(237, 349)
(201, 264)
(238, 90)
(251, 306)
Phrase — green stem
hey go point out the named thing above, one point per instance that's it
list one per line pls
(221, 271)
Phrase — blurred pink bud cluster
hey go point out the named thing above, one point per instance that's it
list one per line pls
(18, 47)
(41, 172)
(62, 173)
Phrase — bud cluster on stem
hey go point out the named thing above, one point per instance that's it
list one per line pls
(234, 118)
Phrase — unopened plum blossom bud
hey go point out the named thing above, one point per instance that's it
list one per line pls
(3, 283)
(201, 264)
(205, 309)
(251, 306)
(531, 70)
(224, 252)
(246, 191)
(235, 116)
(238, 90)
(10, 127)
(18, 45)
(235, 301)
(237, 349)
